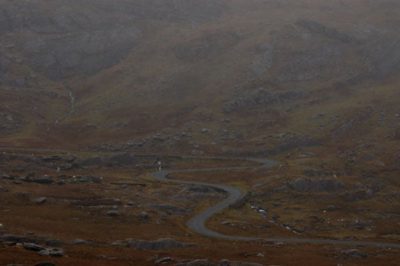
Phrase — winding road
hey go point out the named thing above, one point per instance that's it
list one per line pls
(197, 223)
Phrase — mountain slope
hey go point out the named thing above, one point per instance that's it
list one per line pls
(199, 76)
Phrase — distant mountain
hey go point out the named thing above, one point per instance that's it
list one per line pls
(260, 77)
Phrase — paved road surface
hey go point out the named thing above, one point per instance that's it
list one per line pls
(197, 223)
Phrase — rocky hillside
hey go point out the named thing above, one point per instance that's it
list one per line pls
(201, 76)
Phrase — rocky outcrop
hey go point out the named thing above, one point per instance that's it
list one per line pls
(34, 244)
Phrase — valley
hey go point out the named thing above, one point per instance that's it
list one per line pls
(276, 124)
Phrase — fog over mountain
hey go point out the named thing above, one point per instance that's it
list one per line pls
(310, 84)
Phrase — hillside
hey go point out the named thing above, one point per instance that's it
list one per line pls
(276, 124)
(164, 74)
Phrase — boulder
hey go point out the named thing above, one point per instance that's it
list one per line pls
(80, 242)
(45, 180)
(40, 200)
(33, 247)
(163, 260)
(84, 179)
(52, 252)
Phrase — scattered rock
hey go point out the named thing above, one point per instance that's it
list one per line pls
(40, 200)
(144, 216)
(45, 180)
(33, 247)
(84, 179)
(52, 252)
(163, 260)
(80, 242)
(205, 130)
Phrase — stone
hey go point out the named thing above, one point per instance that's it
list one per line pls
(163, 260)
(197, 262)
(45, 180)
(52, 252)
(33, 247)
(80, 242)
(144, 216)
(85, 179)
(40, 200)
